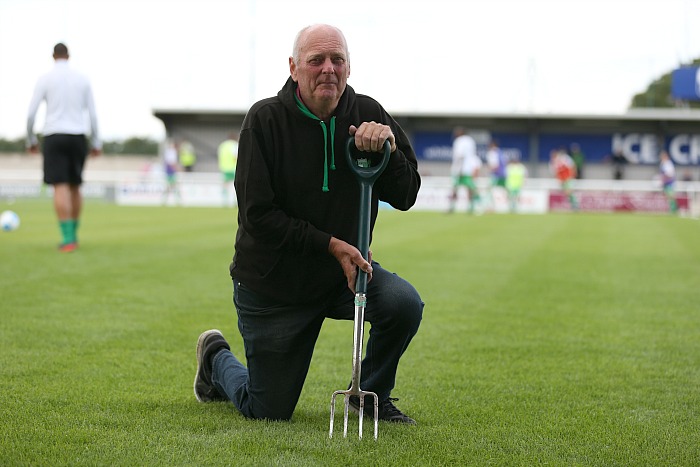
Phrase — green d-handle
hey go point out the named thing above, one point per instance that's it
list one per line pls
(360, 162)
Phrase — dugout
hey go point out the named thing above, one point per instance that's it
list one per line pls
(640, 134)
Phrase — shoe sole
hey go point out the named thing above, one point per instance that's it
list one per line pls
(200, 350)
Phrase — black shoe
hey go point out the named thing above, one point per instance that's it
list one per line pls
(387, 410)
(209, 343)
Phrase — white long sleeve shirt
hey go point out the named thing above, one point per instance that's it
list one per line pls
(68, 97)
(465, 161)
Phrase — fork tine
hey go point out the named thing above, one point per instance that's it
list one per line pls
(376, 416)
(345, 416)
(362, 410)
(330, 431)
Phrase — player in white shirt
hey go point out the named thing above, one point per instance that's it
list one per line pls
(69, 101)
(465, 169)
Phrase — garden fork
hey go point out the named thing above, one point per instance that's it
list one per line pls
(366, 173)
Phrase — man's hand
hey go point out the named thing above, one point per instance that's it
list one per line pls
(95, 152)
(33, 149)
(370, 136)
(350, 259)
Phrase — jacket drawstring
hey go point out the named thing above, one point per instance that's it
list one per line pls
(308, 113)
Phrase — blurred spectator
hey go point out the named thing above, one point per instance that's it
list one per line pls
(188, 158)
(516, 173)
(170, 167)
(465, 169)
(619, 161)
(228, 158)
(496, 161)
(668, 180)
(564, 169)
(579, 159)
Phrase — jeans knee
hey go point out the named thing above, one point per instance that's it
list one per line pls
(412, 312)
(404, 309)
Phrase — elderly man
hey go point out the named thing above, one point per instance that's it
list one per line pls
(296, 258)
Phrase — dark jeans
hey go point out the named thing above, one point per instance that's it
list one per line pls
(279, 341)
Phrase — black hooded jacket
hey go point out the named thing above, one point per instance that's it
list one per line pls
(285, 218)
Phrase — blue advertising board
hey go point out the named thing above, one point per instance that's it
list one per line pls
(685, 83)
(437, 146)
(595, 147)
(638, 148)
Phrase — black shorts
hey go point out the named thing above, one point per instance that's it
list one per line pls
(64, 158)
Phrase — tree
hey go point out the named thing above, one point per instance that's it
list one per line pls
(130, 146)
(143, 146)
(135, 146)
(658, 94)
(12, 145)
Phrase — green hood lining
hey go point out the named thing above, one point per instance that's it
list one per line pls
(308, 113)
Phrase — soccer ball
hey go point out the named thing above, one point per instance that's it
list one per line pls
(9, 221)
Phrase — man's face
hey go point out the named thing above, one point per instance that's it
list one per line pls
(323, 69)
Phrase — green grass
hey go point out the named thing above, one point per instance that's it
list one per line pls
(556, 339)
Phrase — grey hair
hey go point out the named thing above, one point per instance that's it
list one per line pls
(296, 50)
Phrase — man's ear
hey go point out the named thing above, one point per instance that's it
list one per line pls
(292, 69)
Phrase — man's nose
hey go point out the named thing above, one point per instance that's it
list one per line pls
(328, 66)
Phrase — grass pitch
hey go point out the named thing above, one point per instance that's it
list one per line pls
(555, 339)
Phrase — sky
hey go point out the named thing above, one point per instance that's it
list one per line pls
(425, 56)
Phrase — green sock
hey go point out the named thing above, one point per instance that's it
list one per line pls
(76, 224)
(65, 230)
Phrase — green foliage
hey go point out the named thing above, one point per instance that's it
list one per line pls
(12, 145)
(130, 146)
(658, 93)
(559, 339)
(134, 146)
